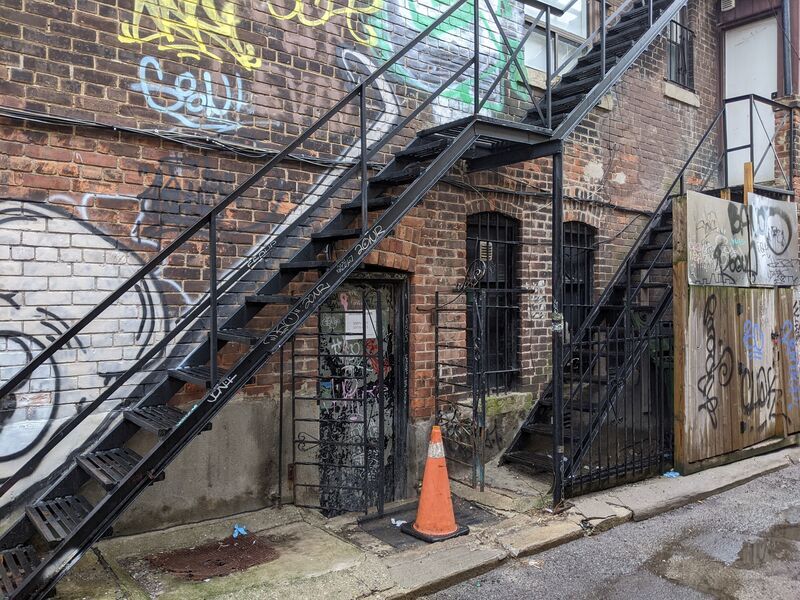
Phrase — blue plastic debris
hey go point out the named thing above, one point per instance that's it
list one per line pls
(672, 474)
(239, 530)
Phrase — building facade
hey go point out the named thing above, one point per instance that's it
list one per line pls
(124, 121)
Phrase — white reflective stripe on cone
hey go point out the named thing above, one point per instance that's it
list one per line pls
(436, 450)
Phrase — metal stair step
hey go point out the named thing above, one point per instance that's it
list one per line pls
(305, 265)
(269, 299)
(198, 375)
(662, 229)
(586, 69)
(645, 286)
(241, 335)
(55, 519)
(398, 176)
(373, 204)
(17, 564)
(337, 234)
(158, 419)
(536, 460)
(109, 467)
(656, 247)
(655, 265)
(423, 151)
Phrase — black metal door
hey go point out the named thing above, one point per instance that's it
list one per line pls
(344, 388)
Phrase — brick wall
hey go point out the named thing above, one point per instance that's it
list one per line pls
(85, 206)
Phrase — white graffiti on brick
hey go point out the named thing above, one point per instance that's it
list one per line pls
(55, 268)
(210, 101)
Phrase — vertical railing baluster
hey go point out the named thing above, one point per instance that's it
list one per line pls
(548, 68)
(752, 139)
(476, 32)
(650, 12)
(362, 118)
(603, 12)
(791, 149)
(212, 336)
(381, 399)
(725, 142)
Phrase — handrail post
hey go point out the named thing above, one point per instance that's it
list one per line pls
(791, 148)
(725, 140)
(362, 124)
(476, 32)
(548, 68)
(212, 335)
(557, 329)
(752, 139)
(603, 11)
(650, 12)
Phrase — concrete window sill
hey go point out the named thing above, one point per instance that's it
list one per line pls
(680, 94)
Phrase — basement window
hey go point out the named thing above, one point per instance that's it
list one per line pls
(566, 33)
(494, 239)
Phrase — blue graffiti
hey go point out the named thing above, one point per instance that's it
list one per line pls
(753, 340)
(199, 103)
(789, 342)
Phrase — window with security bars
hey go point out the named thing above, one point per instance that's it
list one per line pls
(680, 48)
(579, 250)
(494, 239)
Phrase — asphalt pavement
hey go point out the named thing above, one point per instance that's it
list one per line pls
(740, 544)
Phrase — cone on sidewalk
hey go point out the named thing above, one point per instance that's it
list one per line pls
(435, 520)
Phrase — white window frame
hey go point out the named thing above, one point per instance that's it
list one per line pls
(557, 33)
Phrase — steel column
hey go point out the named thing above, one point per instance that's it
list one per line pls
(558, 327)
(212, 336)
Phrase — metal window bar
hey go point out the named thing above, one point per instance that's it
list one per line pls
(680, 55)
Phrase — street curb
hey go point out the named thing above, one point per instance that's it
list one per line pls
(577, 524)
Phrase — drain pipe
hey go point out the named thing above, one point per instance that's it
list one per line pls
(786, 16)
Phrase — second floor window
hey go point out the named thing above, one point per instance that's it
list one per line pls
(680, 52)
(566, 33)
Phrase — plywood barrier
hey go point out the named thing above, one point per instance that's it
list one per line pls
(737, 323)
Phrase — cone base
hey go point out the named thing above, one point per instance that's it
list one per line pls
(410, 530)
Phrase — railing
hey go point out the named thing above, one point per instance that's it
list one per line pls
(680, 55)
(207, 226)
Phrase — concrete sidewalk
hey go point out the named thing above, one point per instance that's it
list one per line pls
(343, 558)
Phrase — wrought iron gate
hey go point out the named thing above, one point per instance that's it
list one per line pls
(342, 407)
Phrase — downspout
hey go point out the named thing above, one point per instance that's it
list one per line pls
(788, 88)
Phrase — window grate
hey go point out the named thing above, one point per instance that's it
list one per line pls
(579, 250)
(680, 59)
(494, 238)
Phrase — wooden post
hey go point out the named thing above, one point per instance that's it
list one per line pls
(747, 187)
(725, 194)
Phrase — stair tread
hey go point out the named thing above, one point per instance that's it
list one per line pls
(337, 234)
(655, 265)
(199, 375)
(305, 265)
(372, 204)
(56, 518)
(397, 176)
(534, 459)
(239, 334)
(428, 148)
(109, 467)
(159, 419)
(17, 564)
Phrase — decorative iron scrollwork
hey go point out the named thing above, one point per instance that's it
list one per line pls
(475, 273)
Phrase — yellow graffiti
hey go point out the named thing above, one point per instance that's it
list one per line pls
(313, 13)
(190, 27)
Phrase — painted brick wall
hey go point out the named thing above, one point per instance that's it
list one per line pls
(82, 207)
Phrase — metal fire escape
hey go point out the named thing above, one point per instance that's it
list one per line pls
(61, 524)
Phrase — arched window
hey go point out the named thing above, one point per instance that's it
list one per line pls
(579, 250)
(494, 238)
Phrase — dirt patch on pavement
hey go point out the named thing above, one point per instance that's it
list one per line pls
(216, 559)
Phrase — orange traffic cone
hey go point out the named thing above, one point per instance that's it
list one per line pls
(435, 518)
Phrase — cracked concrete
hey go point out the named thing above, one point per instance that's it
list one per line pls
(336, 558)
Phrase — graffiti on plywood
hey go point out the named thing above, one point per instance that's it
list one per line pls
(732, 244)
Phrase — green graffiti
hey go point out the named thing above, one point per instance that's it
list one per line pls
(452, 44)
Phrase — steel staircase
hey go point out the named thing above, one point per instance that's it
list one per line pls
(62, 523)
